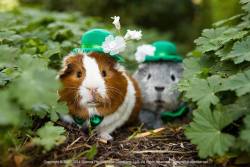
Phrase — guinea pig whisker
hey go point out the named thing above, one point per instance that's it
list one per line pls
(115, 90)
(106, 102)
(117, 95)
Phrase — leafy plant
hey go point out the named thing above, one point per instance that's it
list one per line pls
(49, 136)
(216, 80)
(32, 44)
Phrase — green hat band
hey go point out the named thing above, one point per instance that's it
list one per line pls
(165, 57)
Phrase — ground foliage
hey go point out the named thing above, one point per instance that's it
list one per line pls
(167, 148)
(216, 81)
(32, 44)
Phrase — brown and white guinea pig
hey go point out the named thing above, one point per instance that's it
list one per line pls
(95, 84)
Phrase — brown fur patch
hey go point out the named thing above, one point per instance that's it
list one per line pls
(115, 82)
(71, 77)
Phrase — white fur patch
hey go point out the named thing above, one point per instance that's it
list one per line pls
(93, 79)
(122, 114)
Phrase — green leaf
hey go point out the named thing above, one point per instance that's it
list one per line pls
(36, 84)
(191, 67)
(7, 75)
(40, 110)
(8, 55)
(49, 136)
(245, 133)
(213, 39)
(240, 51)
(90, 154)
(10, 113)
(4, 79)
(220, 76)
(246, 5)
(239, 82)
(203, 91)
(206, 132)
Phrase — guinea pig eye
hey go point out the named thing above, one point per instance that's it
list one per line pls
(79, 74)
(172, 77)
(149, 76)
(104, 73)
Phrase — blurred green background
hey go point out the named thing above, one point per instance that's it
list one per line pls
(180, 21)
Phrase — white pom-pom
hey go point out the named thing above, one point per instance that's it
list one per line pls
(143, 51)
(133, 34)
(113, 45)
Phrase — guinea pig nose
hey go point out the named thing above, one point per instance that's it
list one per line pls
(159, 88)
(94, 90)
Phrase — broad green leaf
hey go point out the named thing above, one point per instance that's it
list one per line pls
(36, 84)
(203, 91)
(213, 39)
(10, 113)
(9, 36)
(8, 55)
(240, 51)
(242, 145)
(191, 67)
(7, 75)
(40, 110)
(246, 5)
(239, 82)
(206, 132)
(49, 136)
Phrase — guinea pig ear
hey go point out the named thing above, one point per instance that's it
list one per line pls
(143, 68)
(66, 70)
(67, 67)
(140, 72)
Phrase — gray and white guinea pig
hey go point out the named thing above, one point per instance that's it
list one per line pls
(158, 83)
(95, 84)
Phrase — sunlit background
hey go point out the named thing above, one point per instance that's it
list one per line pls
(180, 21)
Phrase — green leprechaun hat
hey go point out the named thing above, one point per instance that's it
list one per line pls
(164, 51)
(92, 41)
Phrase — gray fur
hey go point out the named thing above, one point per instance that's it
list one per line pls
(158, 81)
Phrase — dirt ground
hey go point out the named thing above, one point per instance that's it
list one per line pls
(168, 147)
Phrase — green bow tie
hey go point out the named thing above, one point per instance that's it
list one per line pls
(94, 120)
(170, 115)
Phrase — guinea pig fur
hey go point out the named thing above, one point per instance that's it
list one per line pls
(158, 82)
(95, 84)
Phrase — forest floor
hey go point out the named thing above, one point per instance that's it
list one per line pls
(168, 147)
